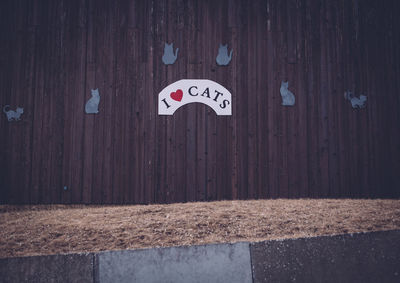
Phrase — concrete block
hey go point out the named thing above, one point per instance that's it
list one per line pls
(363, 257)
(210, 263)
(54, 268)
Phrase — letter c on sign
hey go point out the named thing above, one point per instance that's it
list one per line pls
(190, 91)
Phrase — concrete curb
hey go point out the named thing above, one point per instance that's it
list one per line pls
(51, 268)
(361, 257)
(209, 263)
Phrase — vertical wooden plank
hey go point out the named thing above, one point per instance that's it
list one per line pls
(103, 129)
(209, 42)
(393, 126)
(191, 129)
(371, 121)
(334, 95)
(339, 52)
(227, 122)
(110, 123)
(282, 112)
(142, 54)
(312, 114)
(190, 147)
(93, 139)
(138, 106)
(382, 107)
(159, 83)
(396, 74)
(232, 134)
(375, 98)
(171, 125)
(344, 126)
(221, 73)
(292, 112)
(39, 138)
(364, 157)
(242, 101)
(21, 131)
(149, 107)
(201, 119)
(132, 142)
(234, 21)
(89, 120)
(274, 100)
(45, 172)
(350, 82)
(234, 120)
(323, 92)
(394, 100)
(120, 102)
(55, 111)
(180, 116)
(29, 91)
(301, 102)
(7, 37)
(148, 129)
(221, 35)
(377, 103)
(73, 112)
(261, 87)
(250, 91)
(15, 134)
(358, 116)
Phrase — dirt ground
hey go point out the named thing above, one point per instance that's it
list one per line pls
(42, 230)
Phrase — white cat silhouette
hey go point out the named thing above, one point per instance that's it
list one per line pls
(222, 58)
(288, 98)
(356, 102)
(92, 106)
(13, 115)
(168, 56)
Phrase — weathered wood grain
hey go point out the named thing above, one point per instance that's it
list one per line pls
(52, 53)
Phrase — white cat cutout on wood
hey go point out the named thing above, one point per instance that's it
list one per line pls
(288, 98)
(222, 58)
(92, 106)
(356, 102)
(169, 57)
(13, 115)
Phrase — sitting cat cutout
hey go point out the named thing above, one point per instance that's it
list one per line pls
(356, 102)
(13, 115)
(168, 57)
(288, 98)
(92, 106)
(222, 58)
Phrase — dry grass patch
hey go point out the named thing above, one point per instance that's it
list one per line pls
(34, 230)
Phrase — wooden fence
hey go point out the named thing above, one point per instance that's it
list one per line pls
(52, 53)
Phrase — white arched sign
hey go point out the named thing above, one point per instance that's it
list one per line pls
(183, 92)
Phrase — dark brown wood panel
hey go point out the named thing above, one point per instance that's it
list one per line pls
(52, 53)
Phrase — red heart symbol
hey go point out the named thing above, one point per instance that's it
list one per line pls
(177, 95)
